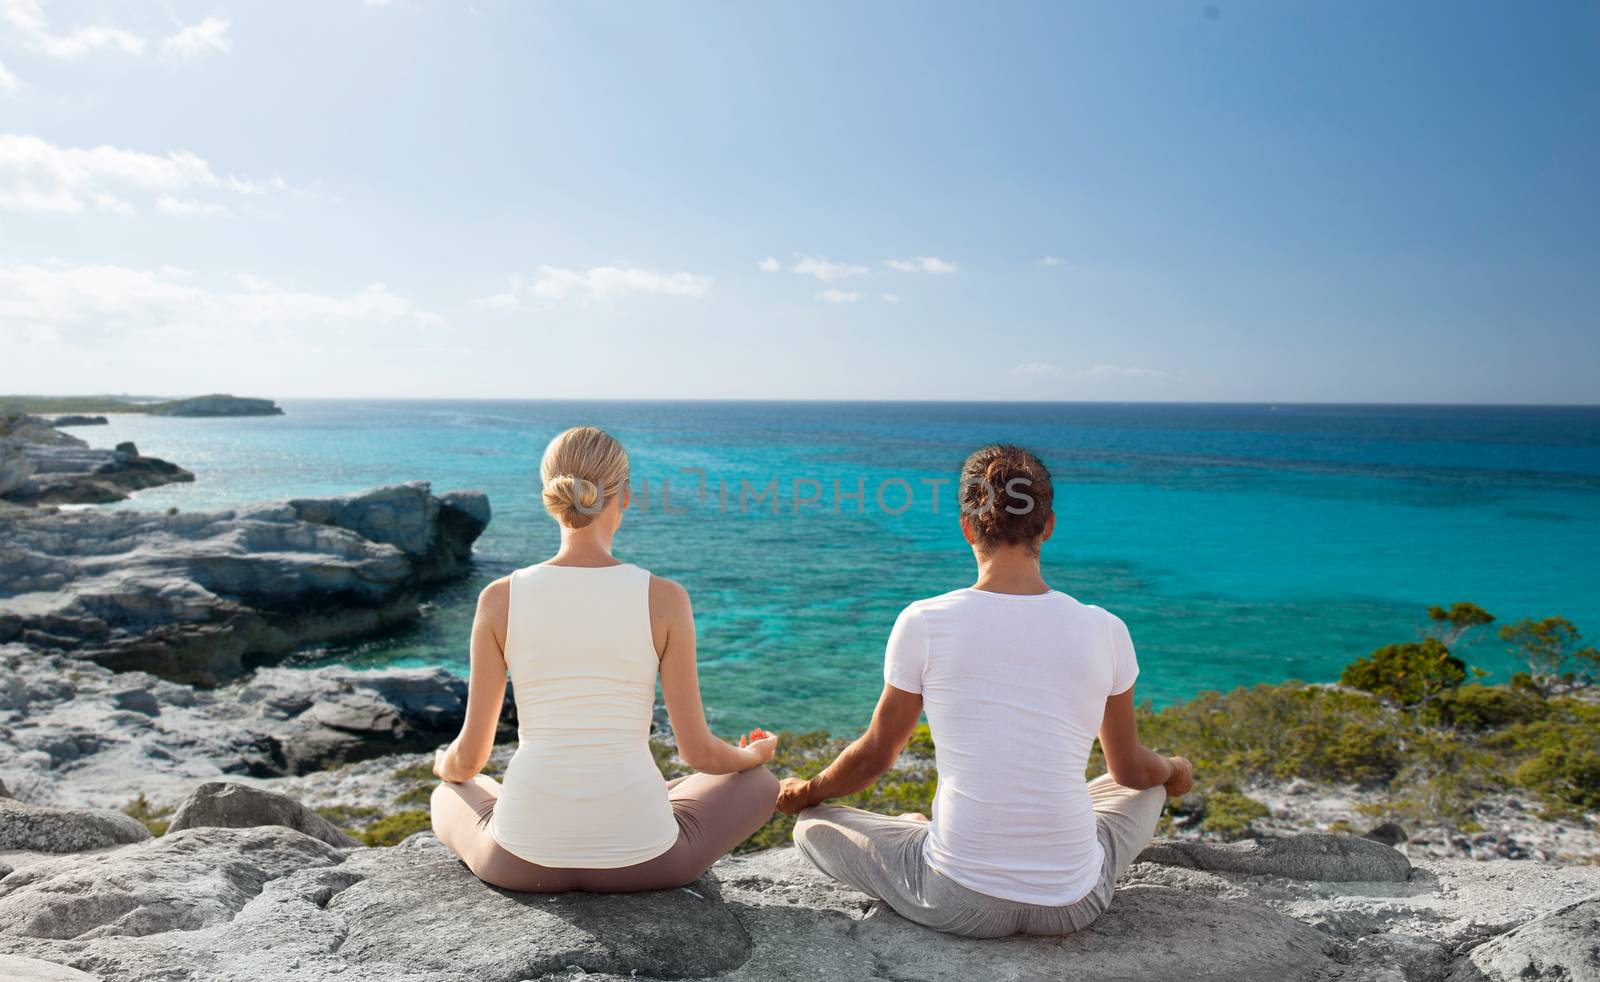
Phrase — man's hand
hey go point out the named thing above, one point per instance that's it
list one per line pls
(1182, 779)
(794, 795)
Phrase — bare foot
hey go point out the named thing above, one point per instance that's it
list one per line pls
(914, 816)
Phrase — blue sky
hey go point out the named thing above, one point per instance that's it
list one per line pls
(1268, 201)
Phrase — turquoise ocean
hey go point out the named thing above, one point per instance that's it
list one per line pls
(1241, 543)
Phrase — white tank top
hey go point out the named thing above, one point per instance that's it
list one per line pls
(582, 790)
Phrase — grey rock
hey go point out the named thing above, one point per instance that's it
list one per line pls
(1561, 946)
(1310, 856)
(220, 804)
(17, 968)
(5, 870)
(40, 465)
(218, 405)
(271, 905)
(199, 597)
(47, 828)
(77, 420)
(1388, 833)
(128, 447)
(683, 933)
(16, 468)
(180, 882)
(73, 732)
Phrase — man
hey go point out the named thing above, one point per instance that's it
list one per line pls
(1017, 680)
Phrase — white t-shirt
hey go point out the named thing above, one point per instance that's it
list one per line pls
(1014, 688)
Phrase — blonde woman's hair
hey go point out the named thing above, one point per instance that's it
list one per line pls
(582, 469)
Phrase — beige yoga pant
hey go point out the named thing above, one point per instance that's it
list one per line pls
(881, 856)
(715, 812)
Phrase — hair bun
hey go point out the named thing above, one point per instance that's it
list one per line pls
(582, 469)
(572, 499)
(1006, 495)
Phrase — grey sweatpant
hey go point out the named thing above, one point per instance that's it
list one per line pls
(881, 855)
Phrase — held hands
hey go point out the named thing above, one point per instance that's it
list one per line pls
(1182, 779)
(760, 743)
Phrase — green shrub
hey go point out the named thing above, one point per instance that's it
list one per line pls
(154, 819)
(1229, 814)
(419, 794)
(1408, 674)
(392, 829)
(349, 817)
(1487, 707)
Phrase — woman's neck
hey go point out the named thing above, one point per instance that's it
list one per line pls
(584, 547)
(1011, 569)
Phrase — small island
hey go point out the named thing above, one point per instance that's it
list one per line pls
(216, 404)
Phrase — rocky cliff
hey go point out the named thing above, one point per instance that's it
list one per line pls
(41, 465)
(201, 597)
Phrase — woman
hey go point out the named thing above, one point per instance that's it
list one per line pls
(1017, 680)
(584, 638)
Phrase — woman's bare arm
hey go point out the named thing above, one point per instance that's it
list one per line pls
(672, 623)
(1132, 764)
(486, 688)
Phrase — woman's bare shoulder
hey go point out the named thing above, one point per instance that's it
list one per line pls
(668, 598)
(496, 597)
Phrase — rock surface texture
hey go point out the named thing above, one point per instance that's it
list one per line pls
(73, 732)
(40, 465)
(222, 804)
(270, 903)
(201, 597)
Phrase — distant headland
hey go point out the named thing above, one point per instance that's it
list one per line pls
(207, 405)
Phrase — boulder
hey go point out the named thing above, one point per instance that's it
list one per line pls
(1561, 946)
(220, 804)
(46, 828)
(1310, 856)
(182, 881)
(392, 913)
(200, 597)
(16, 968)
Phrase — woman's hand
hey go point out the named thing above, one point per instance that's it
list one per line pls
(760, 743)
(794, 796)
(1182, 779)
(442, 766)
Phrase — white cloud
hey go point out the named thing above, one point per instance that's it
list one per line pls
(600, 283)
(826, 271)
(205, 37)
(172, 205)
(921, 264)
(8, 81)
(891, 298)
(36, 175)
(1049, 261)
(27, 18)
(769, 265)
(840, 296)
(73, 304)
